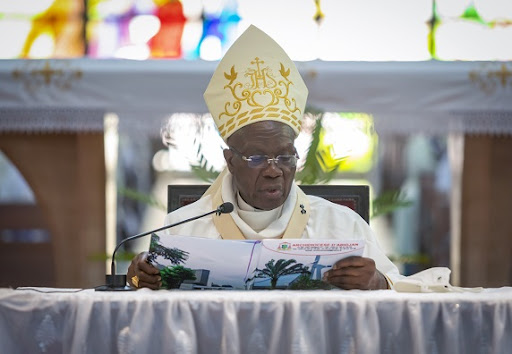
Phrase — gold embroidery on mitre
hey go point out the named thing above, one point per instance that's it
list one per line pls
(261, 95)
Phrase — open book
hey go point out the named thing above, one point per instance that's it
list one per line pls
(199, 263)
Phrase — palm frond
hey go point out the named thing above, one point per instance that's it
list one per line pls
(314, 170)
(141, 197)
(388, 201)
(202, 169)
(205, 173)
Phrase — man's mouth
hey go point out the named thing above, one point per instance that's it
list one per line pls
(272, 191)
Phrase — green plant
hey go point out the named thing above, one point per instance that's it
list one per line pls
(120, 256)
(312, 171)
(201, 169)
(172, 277)
(387, 202)
(140, 197)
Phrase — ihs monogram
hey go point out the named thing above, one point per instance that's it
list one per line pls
(260, 76)
(261, 95)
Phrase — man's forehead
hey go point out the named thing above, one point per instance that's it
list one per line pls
(266, 127)
(267, 136)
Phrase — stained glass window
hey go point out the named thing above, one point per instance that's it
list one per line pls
(372, 30)
(472, 30)
(41, 29)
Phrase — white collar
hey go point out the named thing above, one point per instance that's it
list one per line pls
(257, 219)
(258, 224)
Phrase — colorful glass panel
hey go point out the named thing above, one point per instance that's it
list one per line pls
(472, 30)
(372, 30)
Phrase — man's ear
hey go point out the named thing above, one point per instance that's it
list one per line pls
(228, 156)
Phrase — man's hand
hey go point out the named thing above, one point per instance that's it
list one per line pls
(356, 273)
(149, 276)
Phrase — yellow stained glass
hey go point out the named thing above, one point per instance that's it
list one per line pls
(42, 29)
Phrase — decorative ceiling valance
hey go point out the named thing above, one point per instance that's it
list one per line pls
(404, 97)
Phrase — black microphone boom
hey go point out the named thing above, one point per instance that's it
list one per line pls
(117, 282)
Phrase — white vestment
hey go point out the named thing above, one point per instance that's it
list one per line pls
(326, 221)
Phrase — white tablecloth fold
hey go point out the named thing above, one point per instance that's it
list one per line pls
(255, 322)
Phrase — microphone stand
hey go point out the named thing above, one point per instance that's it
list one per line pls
(117, 282)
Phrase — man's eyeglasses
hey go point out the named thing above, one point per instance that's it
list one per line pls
(262, 161)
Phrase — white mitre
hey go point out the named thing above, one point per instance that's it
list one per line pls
(255, 81)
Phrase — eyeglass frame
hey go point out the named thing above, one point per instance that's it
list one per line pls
(275, 160)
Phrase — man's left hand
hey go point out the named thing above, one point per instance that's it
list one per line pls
(356, 273)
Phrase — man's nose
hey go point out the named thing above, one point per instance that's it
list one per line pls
(272, 169)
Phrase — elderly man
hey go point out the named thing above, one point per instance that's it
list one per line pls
(257, 99)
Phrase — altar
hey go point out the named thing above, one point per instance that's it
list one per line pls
(34, 320)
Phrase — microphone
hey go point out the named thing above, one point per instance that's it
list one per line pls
(117, 282)
(225, 208)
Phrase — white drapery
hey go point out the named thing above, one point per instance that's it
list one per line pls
(404, 97)
(228, 321)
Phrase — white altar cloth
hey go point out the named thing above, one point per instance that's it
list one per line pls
(404, 97)
(227, 321)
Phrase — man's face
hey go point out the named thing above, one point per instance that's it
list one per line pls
(268, 187)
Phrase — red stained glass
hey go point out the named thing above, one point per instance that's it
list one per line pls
(167, 42)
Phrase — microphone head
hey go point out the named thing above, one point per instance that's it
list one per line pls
(226, 208)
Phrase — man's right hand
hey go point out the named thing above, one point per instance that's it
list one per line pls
(149, 276)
